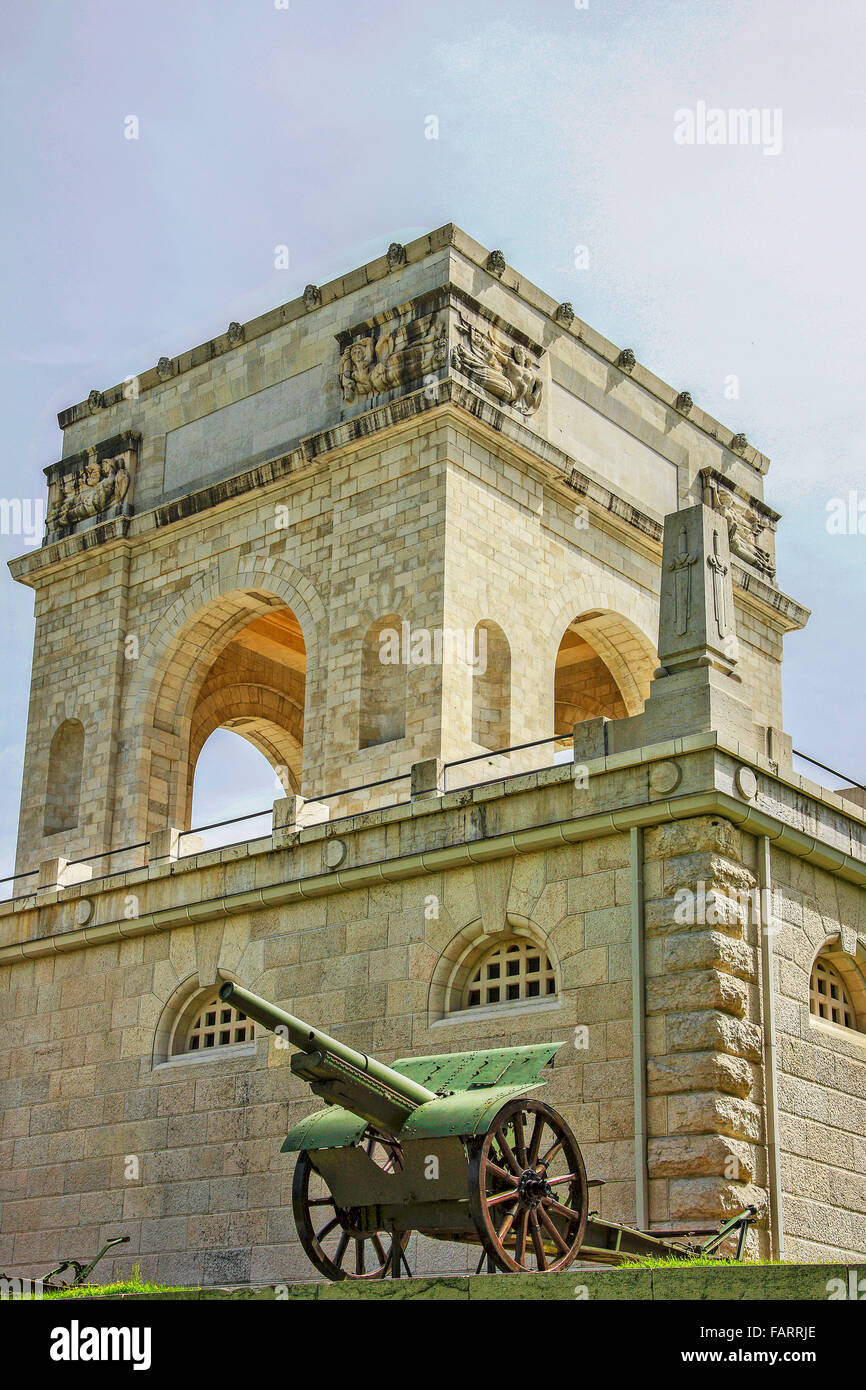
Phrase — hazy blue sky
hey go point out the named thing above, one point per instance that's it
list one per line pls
(305, 126)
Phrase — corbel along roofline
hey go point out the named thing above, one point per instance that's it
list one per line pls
(381, 268)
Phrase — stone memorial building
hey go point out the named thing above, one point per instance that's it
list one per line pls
(418, 516)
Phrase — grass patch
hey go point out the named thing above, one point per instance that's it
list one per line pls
(691, 1262)
(134, 1284)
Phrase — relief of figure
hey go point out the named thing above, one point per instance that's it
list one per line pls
(744, 528)
(369, 367)
(121, 479)
(507, 374)
(89, 493)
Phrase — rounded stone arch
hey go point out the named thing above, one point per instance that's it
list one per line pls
(613, 620)
(178, 1011)
(851, 971)
(176, 658)
(275, 582)
(268, 720)
(62, 799)
(458, 958)
(491, 685)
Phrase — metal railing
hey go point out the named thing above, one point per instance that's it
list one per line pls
(490, 757)
(842, 776)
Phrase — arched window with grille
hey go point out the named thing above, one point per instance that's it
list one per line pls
(510, 971)
(828, 995)
(216, 1024)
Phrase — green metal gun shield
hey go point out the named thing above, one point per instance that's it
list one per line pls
(486, 1067)
(332, 1128)
(464, 1113)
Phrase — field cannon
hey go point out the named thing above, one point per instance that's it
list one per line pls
(450, 1146)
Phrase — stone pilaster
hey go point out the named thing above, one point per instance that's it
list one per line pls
(705, 1097)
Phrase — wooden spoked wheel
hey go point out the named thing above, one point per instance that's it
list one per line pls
(528, 1190)
(331, 1235)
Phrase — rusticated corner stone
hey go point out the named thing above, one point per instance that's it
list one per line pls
(701, 1155)
(699, 989)
(709, 950)
(713, 1198)
(709, 867)
(701, 833)
(715, 1112)
(699, 1071)
(715, 1031)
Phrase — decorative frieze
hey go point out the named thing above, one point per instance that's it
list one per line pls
(418, 341)
(93, 486)
(379, 356)
(750, 522)
(503, 370)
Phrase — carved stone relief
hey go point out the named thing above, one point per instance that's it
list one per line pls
(505, 370)
(95, 485)
(378, 358)
(748, 522)
(417, 342)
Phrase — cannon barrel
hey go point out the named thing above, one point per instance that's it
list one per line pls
(308, 1039)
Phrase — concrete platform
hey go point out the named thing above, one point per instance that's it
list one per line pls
(725, 1283)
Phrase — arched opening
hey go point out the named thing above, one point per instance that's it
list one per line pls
(237, 662)
(515, 969)
(384, 683)
(231, 778)
(491, 687)
(63, 784)
(603, 667)
(254, 688)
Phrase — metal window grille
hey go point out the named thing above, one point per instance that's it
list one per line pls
(828, 997)
(511, 971)
(219, 1025)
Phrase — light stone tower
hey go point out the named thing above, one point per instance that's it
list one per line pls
(420, 515)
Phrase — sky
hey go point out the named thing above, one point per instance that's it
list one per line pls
(306, 124)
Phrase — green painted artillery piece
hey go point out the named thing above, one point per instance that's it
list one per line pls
(450, 1146)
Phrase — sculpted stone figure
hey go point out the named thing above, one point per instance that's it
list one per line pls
(90, 492)
(372, 365)
(745, 526)
(507, 374)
